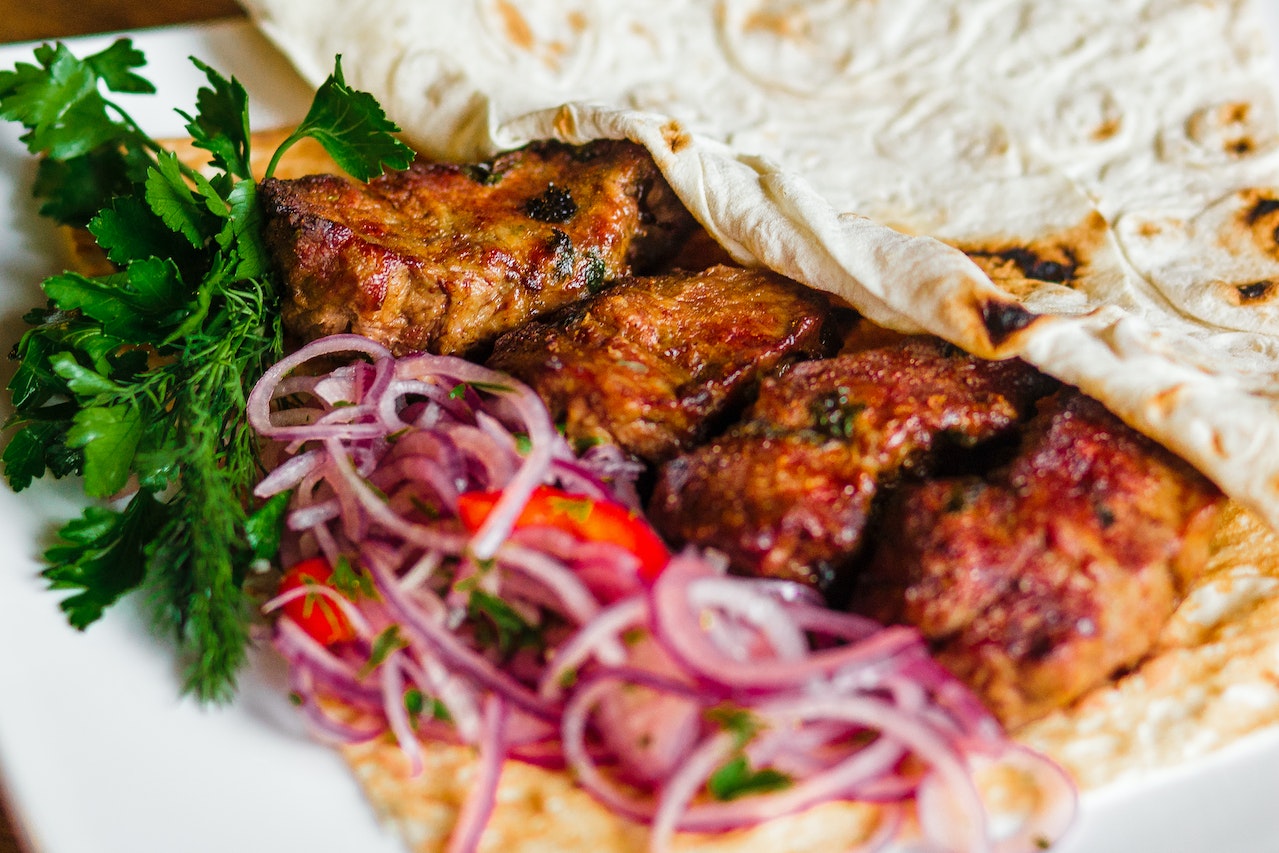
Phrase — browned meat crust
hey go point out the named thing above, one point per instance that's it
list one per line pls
(1044, 579)
(654, 363)
(444, 258)
(788, 493)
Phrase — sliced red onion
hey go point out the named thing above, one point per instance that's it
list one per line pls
(258, 404)
(289, 474)
(478, 806)
(397, 715)
(376, 457)
(299, 648)
(680, 789)
(453, 651)
(679, 622)
(497, 526)
(574, 598)
(599, 639)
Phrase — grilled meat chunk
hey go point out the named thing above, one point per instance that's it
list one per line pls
(652, 364)
(1042, 580)
(443, 258)
(788, 492)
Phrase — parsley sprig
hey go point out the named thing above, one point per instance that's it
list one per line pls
(137, 380)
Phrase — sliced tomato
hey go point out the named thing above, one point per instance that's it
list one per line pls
(586, 518)
(315, 614)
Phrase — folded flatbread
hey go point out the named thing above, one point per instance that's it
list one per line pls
(1091, 187)
(1110, 168)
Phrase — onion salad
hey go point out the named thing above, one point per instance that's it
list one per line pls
(482, 583)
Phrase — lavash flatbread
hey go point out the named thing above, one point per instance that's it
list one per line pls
(845, 144)
(1110, 172)
(1213, 679)
(539, 811)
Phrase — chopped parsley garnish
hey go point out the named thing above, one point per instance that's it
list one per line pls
(498, 626)
(416, 703)
(352, 582)
(459, 391)
(737, 778)
(383, 645)
(137, 380)
(486, 174)
(835, 414)
(574, 508)
(739, 722)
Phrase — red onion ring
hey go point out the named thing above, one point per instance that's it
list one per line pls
(376, 455)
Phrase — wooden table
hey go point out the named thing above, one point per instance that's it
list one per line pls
(22, 20)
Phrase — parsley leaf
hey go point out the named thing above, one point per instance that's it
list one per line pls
(76, 189)
(263, 527)
(128, 229)
(140, 376)
(97, 556)
(460, 390)
(168, 195)
(736, 778)
(352, 582)
(59, 101)
(417, 703)
(739, 722)
(109, 437)
(130, 305)
(37, 448)
(115, 66)
(352, 128)
(221, 123)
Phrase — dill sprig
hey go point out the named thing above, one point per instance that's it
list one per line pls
(137, 380)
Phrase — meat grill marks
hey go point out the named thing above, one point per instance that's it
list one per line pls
(654, 364)
(1034, 582)
(1044, 579)
(788, 492)
(443, 258)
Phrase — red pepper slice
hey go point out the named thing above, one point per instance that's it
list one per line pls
(315, 614)
(586, 518)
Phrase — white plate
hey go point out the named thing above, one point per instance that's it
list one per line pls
(99, 754)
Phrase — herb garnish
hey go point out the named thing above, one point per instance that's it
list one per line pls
(736, 777)
(499, 626)
(835, 414)
(137, 380)
(383, 645)
(416, 703)
(458, 391)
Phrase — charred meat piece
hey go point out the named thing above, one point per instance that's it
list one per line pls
(443, 258)
(1044, 579)
(652, 364)
(788, 492)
